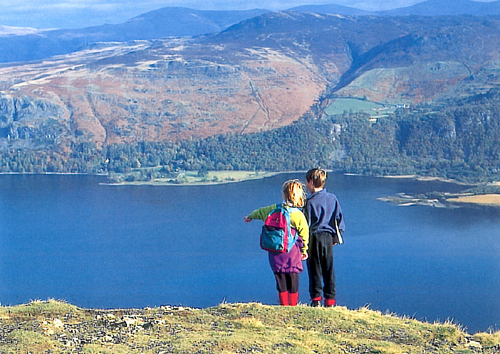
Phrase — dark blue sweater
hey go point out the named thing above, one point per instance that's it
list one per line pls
(321, 210)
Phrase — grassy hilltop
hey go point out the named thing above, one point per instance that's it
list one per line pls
(58, 327)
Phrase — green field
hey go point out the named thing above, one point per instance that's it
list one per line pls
(192, 177)
(354, 105)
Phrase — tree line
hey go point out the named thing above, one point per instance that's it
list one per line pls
(457, 139)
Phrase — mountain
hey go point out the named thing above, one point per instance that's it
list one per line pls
(25, 45)
(331, 9)
(173, 22)
(262, 73)
(425, 8)
(165, 22)
(447, 8)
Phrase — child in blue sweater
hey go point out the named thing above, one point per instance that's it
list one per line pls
(325, 218)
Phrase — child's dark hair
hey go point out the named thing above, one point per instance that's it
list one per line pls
(317, 176)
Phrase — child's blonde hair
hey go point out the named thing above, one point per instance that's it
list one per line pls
(317, 176)
(294, 193)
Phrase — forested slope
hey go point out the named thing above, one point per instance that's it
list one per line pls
(459, 139)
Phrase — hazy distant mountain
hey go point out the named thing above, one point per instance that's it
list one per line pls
(331, 9)
(25, 45)
(174, 22)
(426, 8)
(165, 22)
(447, 8)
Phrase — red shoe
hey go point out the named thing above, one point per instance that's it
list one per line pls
(330, 302)
(316, 302)
(293, 298)
(283, 297)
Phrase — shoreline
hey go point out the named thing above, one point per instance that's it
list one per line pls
(430, 179)
(478, 199)
(54, 173)
(224, 177)
(445, 200)
(264, 175)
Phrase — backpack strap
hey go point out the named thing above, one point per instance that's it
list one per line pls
(290, 210)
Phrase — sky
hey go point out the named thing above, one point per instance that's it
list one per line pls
(43, 14)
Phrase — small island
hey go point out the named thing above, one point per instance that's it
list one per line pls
(485, 194)
(183, 178)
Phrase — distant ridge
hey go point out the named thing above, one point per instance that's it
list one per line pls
(165, 22)
(331, 9)
(426, 8)
(180, 22)
(447, 8)
(29, 45)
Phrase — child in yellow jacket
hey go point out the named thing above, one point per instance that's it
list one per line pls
(287, 266)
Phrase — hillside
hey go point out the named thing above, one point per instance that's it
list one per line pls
(163, 90)
(261, 74)
(41, 327)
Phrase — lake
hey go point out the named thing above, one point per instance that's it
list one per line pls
(100, 246)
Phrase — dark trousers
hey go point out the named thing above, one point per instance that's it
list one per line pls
(287, 282)
(320, 266)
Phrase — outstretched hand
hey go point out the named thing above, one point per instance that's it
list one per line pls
(247, 219)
